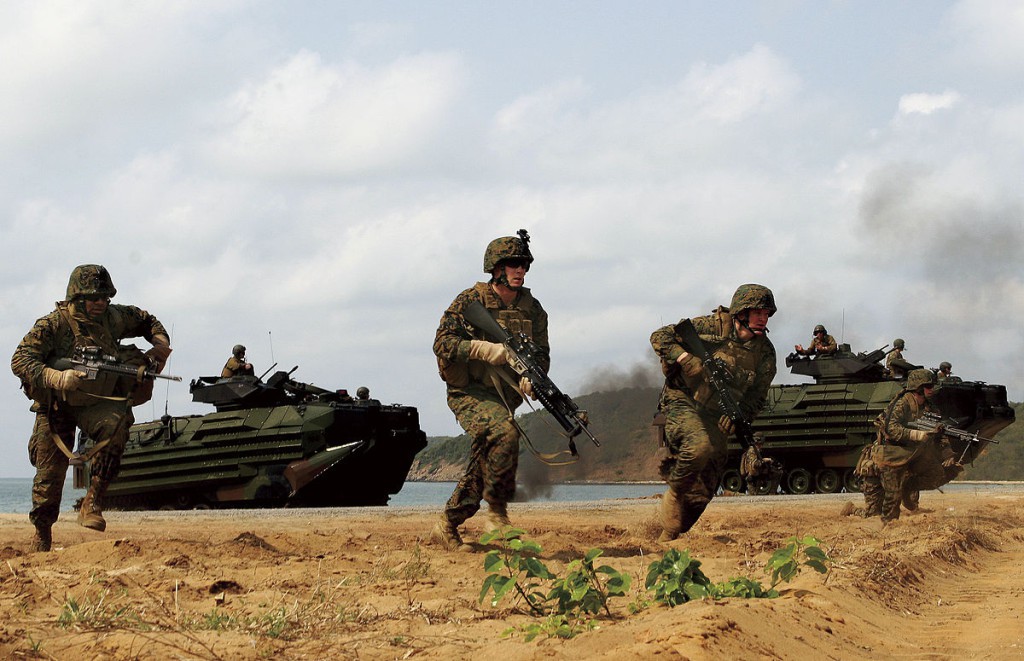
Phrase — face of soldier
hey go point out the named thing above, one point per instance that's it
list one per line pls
(95, 305)
(515, 272)
(757, 323)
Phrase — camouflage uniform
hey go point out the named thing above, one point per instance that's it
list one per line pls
(100, 408)
(870, 475)
(236, 367)
(696, 444)
(494, 456)
(821, 345)
(760, 472)
(910, 460)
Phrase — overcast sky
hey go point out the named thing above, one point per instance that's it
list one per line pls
(318, 180)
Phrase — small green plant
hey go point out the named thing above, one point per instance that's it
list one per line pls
(743, 587)
(568, 603)
(510, 570)
(582, 590)
(786, 562)
(556, 625)
(676, 578)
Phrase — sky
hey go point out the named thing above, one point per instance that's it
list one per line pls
(318, 180)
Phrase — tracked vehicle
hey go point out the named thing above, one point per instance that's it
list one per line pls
(272, 443)
(816, 430)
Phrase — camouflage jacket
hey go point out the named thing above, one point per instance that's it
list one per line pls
(894, 354)
(751, 364)
(826, 346)
(235, 367)
(451, 343)
(895, 445)
(56, 335)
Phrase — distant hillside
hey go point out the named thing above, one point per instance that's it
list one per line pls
(621, 420)
(1004, 461)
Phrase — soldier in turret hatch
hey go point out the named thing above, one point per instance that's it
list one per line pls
(895, 354)
(237, 365)
(822, 344)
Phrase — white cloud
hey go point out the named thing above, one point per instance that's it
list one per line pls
(926, 104)
(989, 33)
(307, 118)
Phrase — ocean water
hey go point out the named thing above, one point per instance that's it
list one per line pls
(16, 493)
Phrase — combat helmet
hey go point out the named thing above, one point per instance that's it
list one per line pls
(898, 343)
(751, 296)
(90, 280)
(820, 329)
(945, 365)
(920, 377)
(508, 247)
(238, 350)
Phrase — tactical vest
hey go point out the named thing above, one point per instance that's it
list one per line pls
(72, 333)
(741, 358)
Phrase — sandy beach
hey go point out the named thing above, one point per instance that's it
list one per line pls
(946, 582)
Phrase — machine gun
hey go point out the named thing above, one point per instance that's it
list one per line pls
(933, 422)
(522, 358)
(718, 377)
(92, 360)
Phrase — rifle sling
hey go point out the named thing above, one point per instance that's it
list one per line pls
(549, 458)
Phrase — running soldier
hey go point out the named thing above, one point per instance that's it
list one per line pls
(696, 430)
(64, 400)
(483, 405)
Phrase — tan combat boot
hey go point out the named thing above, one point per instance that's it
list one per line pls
(446, 535)
(671, 515)
(90, 514)
(497, 517)
(42, 540)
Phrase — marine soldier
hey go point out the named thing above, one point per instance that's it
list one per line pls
(237, 365)
(64, 400)
(696, 430)
(822, 344)
(761, 473)
(945, 373)
(911, 460)
(482, 403)
(895, 354)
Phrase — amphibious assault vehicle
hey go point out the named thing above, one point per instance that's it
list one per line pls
(272, 443)
(816, 430)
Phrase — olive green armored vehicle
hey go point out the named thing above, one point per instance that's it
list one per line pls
(272, 443)
(816, 430)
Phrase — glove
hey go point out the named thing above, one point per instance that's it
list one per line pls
(489, 352)
(67, 380)
(526, 387)
(692, 366)
(726, 425)
(157, 356)
(919, 435)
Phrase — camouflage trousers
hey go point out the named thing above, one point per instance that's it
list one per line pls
(903, 484)
(494, 454)
(699, 452)
(101, 421)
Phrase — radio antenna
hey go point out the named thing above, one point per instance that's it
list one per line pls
(271, 337)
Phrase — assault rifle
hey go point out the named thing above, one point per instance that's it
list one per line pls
(92, 361)
(522, 359)
(718, 377)
(933, 422)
